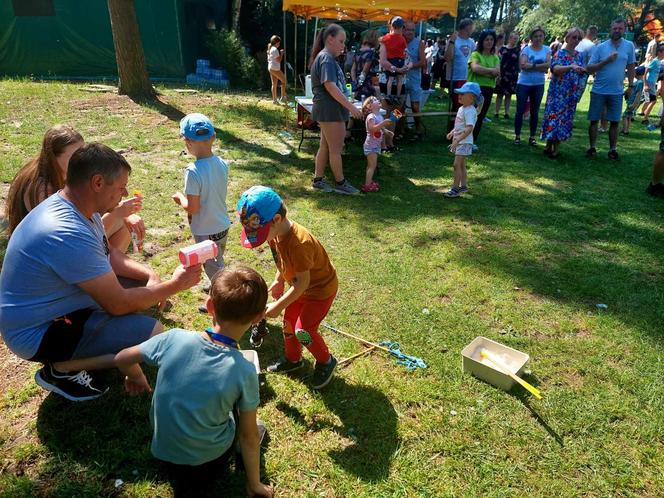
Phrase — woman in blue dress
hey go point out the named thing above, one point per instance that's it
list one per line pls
(567, 68)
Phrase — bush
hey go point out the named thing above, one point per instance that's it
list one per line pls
(227, 52)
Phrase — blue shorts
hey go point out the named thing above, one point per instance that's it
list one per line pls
(463, 150)
(414, 89)
(371, 150)
(599, 102)
(104, 333)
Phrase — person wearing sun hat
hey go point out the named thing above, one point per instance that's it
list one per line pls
(470, 96)
(303, 263)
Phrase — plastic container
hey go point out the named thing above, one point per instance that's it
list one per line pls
(193, 79)
(513, 360)
(252, 356)
(308, 91)
(198, 253)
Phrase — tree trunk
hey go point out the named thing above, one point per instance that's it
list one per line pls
(132, 72)
(494, 12)
(235, 24)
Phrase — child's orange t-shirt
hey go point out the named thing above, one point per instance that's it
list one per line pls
(298, 251)
(395, 45)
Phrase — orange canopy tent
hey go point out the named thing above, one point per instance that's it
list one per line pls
(371, 10)
(366, 10)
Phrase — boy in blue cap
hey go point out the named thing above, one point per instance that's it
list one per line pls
(302, 262)
(462, 135)
(205, 188)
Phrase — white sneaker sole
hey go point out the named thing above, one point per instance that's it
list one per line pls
(327, 381)
(54, 389)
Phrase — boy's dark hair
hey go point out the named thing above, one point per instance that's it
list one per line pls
(282, 210)
(95, 159)
(463, 23)
(238, 294)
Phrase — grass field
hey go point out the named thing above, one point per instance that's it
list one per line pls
(524, 259)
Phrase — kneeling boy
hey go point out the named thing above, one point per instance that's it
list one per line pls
(202, 377)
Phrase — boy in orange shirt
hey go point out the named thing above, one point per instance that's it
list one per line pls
(302, 262)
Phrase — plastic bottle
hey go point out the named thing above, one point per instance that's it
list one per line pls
(198, 253)
(136, 243)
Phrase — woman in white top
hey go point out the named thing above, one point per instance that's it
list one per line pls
(274, 57)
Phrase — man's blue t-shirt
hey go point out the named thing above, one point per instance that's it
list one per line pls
(54, 248)
(463, 47)
(198, 384)
(609, 79)
(413, 50)
(208, 179)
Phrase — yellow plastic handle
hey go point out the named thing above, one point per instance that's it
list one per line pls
(532, 389)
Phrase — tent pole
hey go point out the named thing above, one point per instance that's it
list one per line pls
(448, 71)
(283, 28)
(306, 45)
(295, 52)
(421, 29)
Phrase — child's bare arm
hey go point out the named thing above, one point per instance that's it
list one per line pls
(127, 361)
(190, 203)
(466, 131)
(300, 284)
(250, 444)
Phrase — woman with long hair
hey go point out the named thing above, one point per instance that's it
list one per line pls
(567, 70)
(484, 69)
(534, 63)
(45, 174)
(274, 57)
(331, 107)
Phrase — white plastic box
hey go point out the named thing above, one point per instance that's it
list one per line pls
(252, 356)
(514, 361)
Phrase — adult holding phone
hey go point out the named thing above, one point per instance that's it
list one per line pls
(534, 63)
(331, 108)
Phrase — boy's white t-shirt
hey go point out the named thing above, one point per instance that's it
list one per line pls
(272, 62)
(208, 179)
(466, 116)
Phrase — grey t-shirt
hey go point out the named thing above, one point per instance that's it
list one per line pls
(325, 108)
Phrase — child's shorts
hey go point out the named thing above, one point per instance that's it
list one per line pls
(650, 96)
(628, 114)
(371, 150)
(398, 63)
(464, 150)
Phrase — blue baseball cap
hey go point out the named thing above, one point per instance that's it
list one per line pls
(470, 87)
(196, 126)
(255, 209)
(397, 22)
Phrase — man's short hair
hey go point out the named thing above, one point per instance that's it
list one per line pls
(619, 20)
(95, 159)
(464, 23)
(238, 294)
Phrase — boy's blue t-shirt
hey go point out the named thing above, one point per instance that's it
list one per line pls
(529, 77)
(54, 248)
(609, 79)
(463, 47)
(653, 73)
(208, 179)
(198, 384)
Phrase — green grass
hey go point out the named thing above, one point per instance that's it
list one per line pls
(523, 260)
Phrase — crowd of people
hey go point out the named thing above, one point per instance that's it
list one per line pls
(500, 64)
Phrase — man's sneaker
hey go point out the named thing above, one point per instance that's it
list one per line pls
(346, 188)
(656, 190)
(591, 152)
(79, 386)
(463, 189)
(323, 186)
(282, 365)
(453, 192)
(323, 373)
(613, 155)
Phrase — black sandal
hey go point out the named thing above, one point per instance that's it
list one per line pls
(532, 141)
(517, 141)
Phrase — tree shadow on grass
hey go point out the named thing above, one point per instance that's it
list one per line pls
(369, 423)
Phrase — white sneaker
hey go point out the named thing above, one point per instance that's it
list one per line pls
(346, 188)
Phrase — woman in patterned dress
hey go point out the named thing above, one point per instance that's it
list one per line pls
(567, 69)
(509, 73)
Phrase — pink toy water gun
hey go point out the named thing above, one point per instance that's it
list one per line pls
(198, 253)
